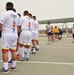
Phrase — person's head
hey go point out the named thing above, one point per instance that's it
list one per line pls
(9, 6)
(25, 13)
(48, 22)
(55, 26)
(34, 17)
(30, 15)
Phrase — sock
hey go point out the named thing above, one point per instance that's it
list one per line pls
(37, 46)
(25, 50)
(34, 50)
(13, 64)
(28, 53)
(5, 65)
(9, 56)
(22, 51)
(17, 52)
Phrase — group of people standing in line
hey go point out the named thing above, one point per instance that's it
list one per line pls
(53, 33)
(17, 33)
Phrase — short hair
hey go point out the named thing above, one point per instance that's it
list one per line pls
(34, 17)
(26, 12)
(30, 14)
(9, 5)
(48, 22)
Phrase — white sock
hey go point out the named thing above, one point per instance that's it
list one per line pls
(22, 51)
(5, 65)
(13, 64)
(28, 53)
(37, 46)
(9, 56)
(17, 52)
(34, 50)
(25, 50)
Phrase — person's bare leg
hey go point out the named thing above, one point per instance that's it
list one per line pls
(34, 46)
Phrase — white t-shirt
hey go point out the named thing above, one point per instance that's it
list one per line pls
(25, 23)
(48, 27)
(32, 22)
(36, 26)
(10, 20)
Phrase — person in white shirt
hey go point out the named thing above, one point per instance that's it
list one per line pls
(73, 33)
(32, 23)
(9, 53)
(37, 29)
(9, 22)
(25, 36)
(48, 31)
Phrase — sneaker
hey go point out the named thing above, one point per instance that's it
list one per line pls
(49, 42)
(13, 68)
(33, 52)
(56, 39)
(5, 71)
(27, 59)
(22, 59)
(10, 61)
(37, 48)
(32, 49)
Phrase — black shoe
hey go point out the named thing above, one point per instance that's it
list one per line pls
(13, 68)
(33, 52)
(10, 61)
(27, 59)
(37, 48)
(22, 59)
(32, 49)
(5, 71)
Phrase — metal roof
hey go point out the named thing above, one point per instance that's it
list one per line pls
(62, 20)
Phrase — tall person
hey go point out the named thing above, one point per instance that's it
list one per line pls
(9, 22)
(36, 29)
(48, 31)
(25, 36)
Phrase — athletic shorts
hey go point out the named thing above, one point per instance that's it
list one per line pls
(9, 41)
(49, 33)
(25, 37)
(56, 33)
(73, 35)
(35, 35)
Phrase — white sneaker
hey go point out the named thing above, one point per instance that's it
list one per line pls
(34, 51)
(49, 42)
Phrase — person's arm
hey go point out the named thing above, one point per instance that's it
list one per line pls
(2, 20)
(19, 29)
(46, 29)
(1, 27)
